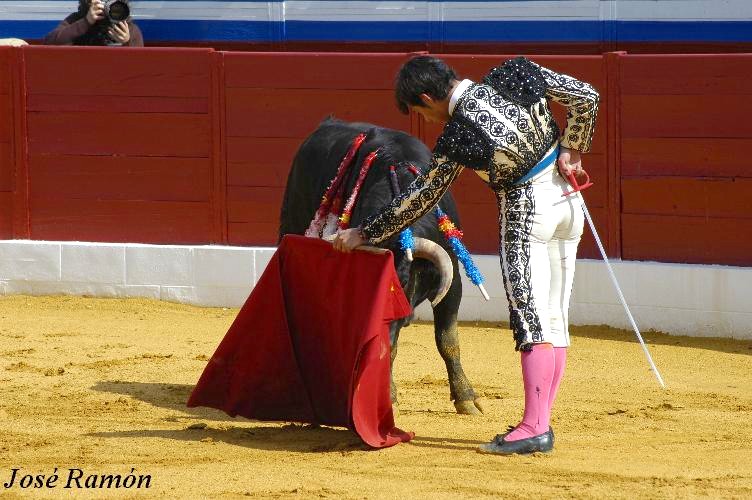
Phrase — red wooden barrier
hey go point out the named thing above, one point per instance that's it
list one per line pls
(273, 102)
(687, 177)
(120, 145)
(7, 161)
(194, 146)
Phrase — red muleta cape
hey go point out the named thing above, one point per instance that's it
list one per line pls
(311, 343)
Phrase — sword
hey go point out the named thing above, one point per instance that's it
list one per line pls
(576, 188)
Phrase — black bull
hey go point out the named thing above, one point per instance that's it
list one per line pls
(315, 165)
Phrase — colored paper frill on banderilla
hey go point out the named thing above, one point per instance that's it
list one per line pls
(311, 343)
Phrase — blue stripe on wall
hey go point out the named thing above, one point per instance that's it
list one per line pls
(684, 31)
(240, 31)
(418, 31)
(26, 29)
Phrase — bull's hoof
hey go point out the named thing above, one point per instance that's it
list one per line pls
(469, 407)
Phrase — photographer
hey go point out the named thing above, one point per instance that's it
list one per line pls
(96, 24)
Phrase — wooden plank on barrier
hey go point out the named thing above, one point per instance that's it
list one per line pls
(20, 212)
(703, 117)
(716, 157)
(698, 74)
(588, 249)
(169, 72)
(687, 196)
(120, 221)
(6, 219)
(254, 204)
(6, 62)
(136, 134)
(260, 161)
(253, 233)
(6, 166)
(120, 178)
(612, 110)
(297, 112)
(218, 165)
(6, 118)
(7, 160)
(479, 223)
(690, 240)
(333, 71)
(469, 188)
(118, 104)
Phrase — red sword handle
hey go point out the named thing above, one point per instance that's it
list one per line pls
(577, 187)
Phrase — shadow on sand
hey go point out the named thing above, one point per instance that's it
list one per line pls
(651, 337)
(219, 425)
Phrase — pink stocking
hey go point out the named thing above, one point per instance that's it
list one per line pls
(560, 354)
(537, 376)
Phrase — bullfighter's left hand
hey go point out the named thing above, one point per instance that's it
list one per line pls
(348, 240)
(120, 32)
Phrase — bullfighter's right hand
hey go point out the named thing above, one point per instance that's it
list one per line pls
(96, 12)
(348, 240)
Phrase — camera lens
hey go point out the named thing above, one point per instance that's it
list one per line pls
(117, 11)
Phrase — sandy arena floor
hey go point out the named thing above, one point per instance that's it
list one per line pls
(100, 385)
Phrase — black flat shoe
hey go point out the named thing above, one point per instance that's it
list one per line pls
(498, 446)
(511, 428)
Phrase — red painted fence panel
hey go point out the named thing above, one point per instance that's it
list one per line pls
(686, 172)
(166, 145)
(273, 101)
(120, 144)
(7, 161)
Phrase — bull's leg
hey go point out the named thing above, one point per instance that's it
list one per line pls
(448, 344)
(394, 331)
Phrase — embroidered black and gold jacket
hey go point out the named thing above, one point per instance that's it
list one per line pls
(500, 128)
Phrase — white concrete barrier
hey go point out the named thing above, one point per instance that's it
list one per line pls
(696, 300)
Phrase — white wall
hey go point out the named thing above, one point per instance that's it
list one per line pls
(674, 298)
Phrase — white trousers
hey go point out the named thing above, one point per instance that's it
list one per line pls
(540, 231)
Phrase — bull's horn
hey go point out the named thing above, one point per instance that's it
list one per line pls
(429, 250)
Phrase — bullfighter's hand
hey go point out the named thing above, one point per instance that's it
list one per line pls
(569, 162)
(96, 12)
(120, 32)
(348, 240)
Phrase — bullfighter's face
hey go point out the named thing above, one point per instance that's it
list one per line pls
(433, 110)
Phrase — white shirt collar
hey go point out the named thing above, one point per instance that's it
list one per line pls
(458, 91)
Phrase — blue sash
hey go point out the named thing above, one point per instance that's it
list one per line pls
(540, 166)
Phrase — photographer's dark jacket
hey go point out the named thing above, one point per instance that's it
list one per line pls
(500, 128)
(76, 30)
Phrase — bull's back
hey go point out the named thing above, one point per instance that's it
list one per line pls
(319, 156)
(313, 167)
